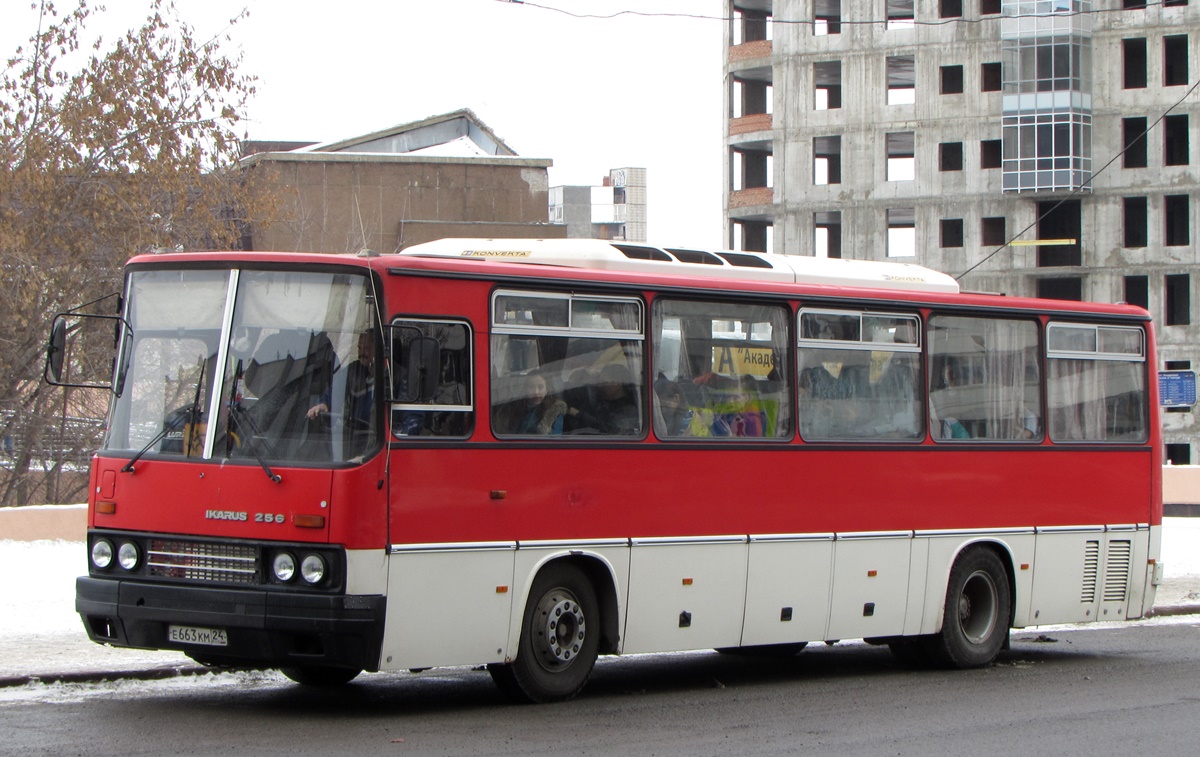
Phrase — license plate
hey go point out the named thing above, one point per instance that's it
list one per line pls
(209, 637)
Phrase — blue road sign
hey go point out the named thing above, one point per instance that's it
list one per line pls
(1177, 388)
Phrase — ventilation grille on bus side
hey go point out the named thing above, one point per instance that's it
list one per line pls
(1091, 570)
(203, 561)
(1116, 571)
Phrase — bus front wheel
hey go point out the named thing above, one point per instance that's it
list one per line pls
(560, 633)
(978, 605)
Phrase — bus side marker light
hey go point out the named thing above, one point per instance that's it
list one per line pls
(872, 573)
(687, 582)
(785, 615)
(106, 508)
(498, 494)
(869, 609)
(501, 589)
(1024, 566)
(309, 521)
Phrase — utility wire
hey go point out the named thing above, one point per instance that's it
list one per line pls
(908, 20)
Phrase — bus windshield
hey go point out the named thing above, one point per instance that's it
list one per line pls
(298, 356)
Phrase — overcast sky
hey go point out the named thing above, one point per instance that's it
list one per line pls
(588, 93)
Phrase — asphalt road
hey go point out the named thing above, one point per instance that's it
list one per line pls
(1134, 689)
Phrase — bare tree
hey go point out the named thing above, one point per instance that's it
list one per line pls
(106, 150)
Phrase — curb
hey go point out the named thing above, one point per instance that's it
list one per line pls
(1169, 610)
(93, 676)
(183, 671)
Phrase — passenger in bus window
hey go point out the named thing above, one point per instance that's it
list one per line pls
(536, 411)
(292, 383)
(672, 414)
(615, 409)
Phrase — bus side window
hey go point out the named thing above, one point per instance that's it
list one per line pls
(719, 370)
(431, 378)
(984, 380)
(858, 376)
(566, 364)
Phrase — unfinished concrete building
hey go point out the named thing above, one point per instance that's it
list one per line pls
(1032, 147)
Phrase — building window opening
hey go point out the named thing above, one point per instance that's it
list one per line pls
(1175, 60)
(990, 153)
(1178, 300)
(952, 232)
(827, 234)
(1133, 136)
(950, 156)
(1060, 222)
(1175, 140)
(1068, 288)
(1134, 55)
(952, 80)
(827, 17)
(901, 158)
(751, 98)
(751, 26)
(1136, 223)
(991, 77)
(950, 8)
(1178, 227)
(1181, 453)
(752, 236)
(901, 232)
(900, 15)
(989, 7)
(827, 85)
(992, 231)
(1137, 291)
(827, 160)
(901, 80)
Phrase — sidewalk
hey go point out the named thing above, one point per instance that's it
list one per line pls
(44, 641)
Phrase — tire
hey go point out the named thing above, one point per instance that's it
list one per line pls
(765, 650)
(321, 676)
(978, 606)
(560, 634)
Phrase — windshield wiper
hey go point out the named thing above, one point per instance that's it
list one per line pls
(243, 416)
(190, 413)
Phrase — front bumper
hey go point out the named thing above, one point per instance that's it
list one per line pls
(264, 628)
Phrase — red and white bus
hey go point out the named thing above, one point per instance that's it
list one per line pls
(528, 453)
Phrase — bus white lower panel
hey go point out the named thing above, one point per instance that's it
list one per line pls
(787, 597)
(1088, 574)
(870, 586)
(448, 607)
(687, 595)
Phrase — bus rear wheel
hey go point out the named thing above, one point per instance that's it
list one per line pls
(312, 675)
(560, 634)
(978, 605)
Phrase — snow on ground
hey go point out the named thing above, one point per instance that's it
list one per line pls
(41, 633)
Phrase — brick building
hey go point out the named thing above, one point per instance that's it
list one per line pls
(444, 176)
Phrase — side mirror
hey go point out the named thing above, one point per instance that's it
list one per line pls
(88, 338)
(55, 350)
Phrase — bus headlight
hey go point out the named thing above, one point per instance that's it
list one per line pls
(312, 569)
(102, 553)
(127, 555)
(284, 567)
